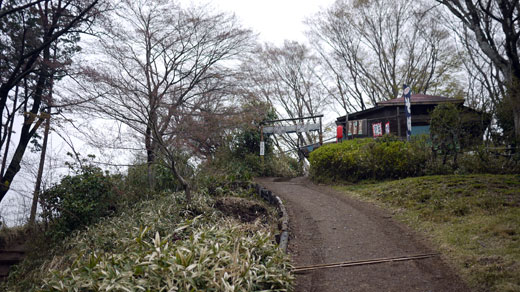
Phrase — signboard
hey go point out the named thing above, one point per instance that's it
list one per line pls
(377, 129)
(299, 128)
(387, 128)
(357, 127)
(262, 148)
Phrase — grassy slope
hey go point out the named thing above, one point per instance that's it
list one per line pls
(161, 245)
(473, 219)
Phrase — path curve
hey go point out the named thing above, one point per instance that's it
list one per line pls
(328, 227)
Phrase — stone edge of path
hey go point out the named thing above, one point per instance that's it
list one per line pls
(273, 199)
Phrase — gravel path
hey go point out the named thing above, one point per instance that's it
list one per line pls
(328, 227)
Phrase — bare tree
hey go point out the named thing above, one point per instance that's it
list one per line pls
(28, 29)
(371, 48)
(287, 78)
(163, 68)
(486, 85)
(495, 25)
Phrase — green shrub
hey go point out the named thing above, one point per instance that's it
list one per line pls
(78, 200)
(359, 159)
(280, 165)
(482, 160)
(137, 179)
(391, 158)
(446, 131)
(235, 164)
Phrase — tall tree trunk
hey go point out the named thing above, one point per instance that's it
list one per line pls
(150, 158)
(513, 99)
(9, 133)
(151, 145)
(36, 194)
(27, 132)
(185, 185)
(516, 119)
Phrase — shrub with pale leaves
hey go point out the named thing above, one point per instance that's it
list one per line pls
(160, 246)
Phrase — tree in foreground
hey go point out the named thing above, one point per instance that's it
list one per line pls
(496, 26)
(165, 74)
(35, 37)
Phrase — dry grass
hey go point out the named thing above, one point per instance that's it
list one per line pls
(12, 237)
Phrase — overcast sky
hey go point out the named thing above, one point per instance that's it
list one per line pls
(274, 20)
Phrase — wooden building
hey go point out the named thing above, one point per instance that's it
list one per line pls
(388, 117)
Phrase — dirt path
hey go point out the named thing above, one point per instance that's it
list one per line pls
(327, 227)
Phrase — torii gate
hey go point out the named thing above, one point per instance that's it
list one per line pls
(298, 128)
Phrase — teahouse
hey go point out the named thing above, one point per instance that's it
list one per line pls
(388, 117)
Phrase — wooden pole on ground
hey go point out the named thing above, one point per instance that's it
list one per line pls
(362, 262)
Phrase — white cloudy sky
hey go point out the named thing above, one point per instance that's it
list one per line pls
(274, 20)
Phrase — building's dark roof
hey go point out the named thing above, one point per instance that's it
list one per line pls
(416, 99)
(420, 99)
(360, 113)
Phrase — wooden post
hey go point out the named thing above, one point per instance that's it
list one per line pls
(321, 133)
(346, 129)
(262, 141)
(261, 134)
(398, 122)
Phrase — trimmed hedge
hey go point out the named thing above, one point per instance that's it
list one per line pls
(368, 158)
